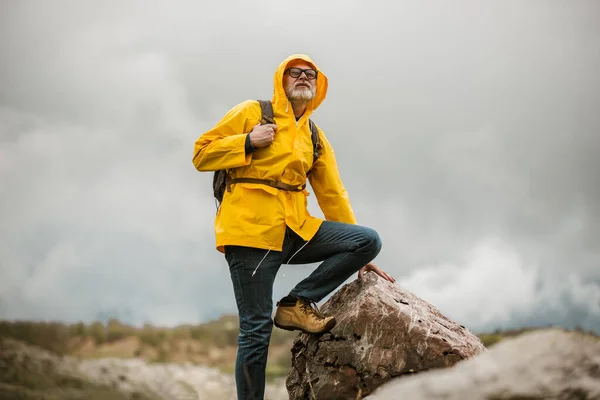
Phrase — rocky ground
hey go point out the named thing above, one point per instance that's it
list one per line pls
(538, 365)
(543, 365)
(388, 344)
(28, 372)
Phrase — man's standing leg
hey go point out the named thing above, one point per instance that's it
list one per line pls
(254, 298)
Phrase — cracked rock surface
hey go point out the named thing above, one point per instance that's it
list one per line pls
(383, 331)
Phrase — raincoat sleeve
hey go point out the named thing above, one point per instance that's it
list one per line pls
(325, 181)
(224, 146)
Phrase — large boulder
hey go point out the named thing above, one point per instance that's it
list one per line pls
(383, 331)
(539, 365)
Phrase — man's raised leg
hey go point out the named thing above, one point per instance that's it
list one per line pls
(344, 249)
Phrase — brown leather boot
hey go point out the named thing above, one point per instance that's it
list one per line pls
(299, 314)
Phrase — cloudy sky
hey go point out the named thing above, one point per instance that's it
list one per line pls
(467, 133)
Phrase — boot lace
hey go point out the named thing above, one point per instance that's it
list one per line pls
(310, 308)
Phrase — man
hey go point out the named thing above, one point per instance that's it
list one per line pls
(263, 222)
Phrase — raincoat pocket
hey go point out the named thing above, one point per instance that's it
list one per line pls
(253, 204)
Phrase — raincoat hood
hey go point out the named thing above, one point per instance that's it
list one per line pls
(280, 101)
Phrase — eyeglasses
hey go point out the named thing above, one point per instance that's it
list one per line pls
(296, 72)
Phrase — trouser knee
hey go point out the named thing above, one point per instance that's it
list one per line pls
(372, 242)
(256, 336)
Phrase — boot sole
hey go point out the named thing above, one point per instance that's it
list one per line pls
(329, 326)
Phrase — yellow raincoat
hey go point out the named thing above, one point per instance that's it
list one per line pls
(256, 215)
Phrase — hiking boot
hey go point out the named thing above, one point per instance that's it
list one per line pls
(303, 315)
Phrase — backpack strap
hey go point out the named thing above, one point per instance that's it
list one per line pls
(221, 178)
(268, 117)
(266, 109)
(314, 134)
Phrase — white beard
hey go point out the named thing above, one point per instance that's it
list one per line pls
(301, 95)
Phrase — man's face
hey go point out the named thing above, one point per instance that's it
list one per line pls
(302, 88)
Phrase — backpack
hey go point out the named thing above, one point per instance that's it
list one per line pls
(267, 117)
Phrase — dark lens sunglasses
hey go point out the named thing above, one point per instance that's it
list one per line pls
(296, 72)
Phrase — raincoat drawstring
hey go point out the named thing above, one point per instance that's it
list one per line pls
(261, 261)
(287, 262)
(290, 259)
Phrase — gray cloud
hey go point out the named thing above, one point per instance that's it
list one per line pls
(466, 133)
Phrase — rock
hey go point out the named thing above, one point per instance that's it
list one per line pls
(383, 331)
(546, 364)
